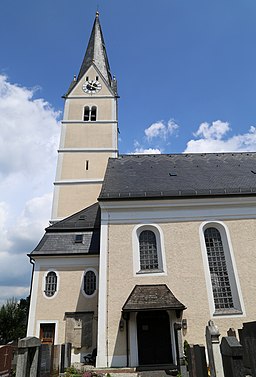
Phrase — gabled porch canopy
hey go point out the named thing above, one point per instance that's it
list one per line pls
(152, 297)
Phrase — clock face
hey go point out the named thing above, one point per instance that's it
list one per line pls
(91, 86)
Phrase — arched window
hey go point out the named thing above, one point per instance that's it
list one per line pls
(148, 251)
(89, 282)
(50, 284)
(93, 113)
(223, 282)
(86, 113)
(90, 114)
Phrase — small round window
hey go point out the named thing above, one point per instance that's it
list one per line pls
(89, 283)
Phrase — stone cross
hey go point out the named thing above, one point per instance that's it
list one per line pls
(213, 348)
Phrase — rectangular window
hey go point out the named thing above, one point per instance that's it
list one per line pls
(87, 165)
(79, 238)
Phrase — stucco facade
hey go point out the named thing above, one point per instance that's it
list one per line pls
(85, 145)
(161, 244)
(185, 270)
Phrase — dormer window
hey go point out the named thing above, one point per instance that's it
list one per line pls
(79, 238)
(90, 113)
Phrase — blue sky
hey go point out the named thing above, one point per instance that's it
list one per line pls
(186, 72)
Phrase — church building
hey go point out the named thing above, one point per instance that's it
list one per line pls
(143, 250)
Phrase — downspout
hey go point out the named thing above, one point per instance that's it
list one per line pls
(108, 264)
(32, 261)
(127, 339)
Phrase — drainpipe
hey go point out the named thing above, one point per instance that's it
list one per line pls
(126, 317)
(32, 261)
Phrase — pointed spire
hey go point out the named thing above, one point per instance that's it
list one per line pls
(96, 53)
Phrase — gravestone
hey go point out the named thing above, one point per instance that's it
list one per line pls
(65, 356)
(179, 346)
(6, 359)
(45, 367)
(28, 357)
(197, 361)
(248, 340)
(213, 348)
(231, 332)
(232, 357)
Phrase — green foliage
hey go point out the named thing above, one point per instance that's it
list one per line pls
(13, 320)
(72, 372)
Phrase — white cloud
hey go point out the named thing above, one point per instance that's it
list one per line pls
(28, 143)
(214, 131)
(156, 137)
(213, 138)
(161, 130)
(29, 131)
(9, 292)
(147, 151)
(139, 149)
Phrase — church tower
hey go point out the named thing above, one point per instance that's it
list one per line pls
(89, 131)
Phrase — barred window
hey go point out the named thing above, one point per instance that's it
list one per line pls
(50, 284)
(148, 250)
(220, 280)
(89, 283)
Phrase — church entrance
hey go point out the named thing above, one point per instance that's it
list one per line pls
(154, 339)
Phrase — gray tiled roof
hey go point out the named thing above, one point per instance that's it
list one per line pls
(64, 244)
(95, 54)
(152, 297)
(179, 175)
(59, 238)
(88, 218)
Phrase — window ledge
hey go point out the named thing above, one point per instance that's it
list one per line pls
(142, 272)
(232, 311)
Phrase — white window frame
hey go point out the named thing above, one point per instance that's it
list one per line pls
(46, 322)
(82, 282)
(232, 270)
(160, 250)
(44, 282)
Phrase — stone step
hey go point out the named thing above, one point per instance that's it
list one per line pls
(128, 372)
(158, 373)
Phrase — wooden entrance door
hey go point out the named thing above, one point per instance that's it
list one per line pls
(154, 339)
(47, 332)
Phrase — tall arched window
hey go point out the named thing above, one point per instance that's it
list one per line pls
(148, 250)
(93, 113)
(86, 113)
(89, 282)
(50, 284)
(224, 288)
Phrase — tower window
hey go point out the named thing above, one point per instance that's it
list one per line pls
(86, 113)
(50, 284)
(93, 113)
(90, 114)
(87, 165)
